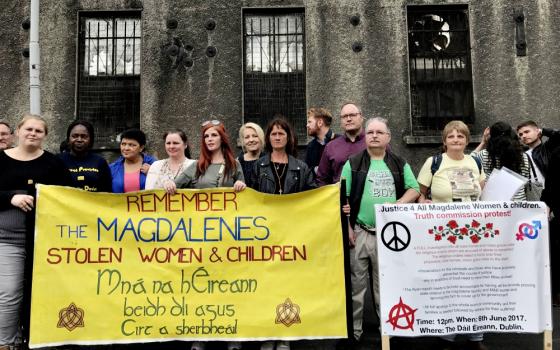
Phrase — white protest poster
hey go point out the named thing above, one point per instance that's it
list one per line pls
(502, 185)
(463, 268)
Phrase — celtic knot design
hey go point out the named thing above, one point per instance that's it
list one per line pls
(287, 313)
(70, 317)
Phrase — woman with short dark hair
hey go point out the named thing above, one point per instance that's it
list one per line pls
(89, 171)
(130, 170)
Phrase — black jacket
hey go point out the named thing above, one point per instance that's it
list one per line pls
(315, 150)
(360, 166)
(542, 153)
(298, 178)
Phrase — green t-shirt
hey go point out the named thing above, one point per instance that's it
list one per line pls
(378, 189)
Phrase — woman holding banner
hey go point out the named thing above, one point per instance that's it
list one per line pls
(453, 176)
(22, 168)
(178, 150)
(280, 172)
(216, 167)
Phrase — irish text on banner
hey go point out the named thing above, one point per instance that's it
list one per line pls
(197, 265)
(464, 268)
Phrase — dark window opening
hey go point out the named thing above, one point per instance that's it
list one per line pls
(274, 67)
(440, 67)
(109, 73)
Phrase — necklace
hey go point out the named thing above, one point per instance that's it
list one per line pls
(174, 173)
(276, 167)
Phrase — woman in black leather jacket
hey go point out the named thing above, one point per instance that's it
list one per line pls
(279, 171)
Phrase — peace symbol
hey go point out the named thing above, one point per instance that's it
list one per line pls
(395, 236)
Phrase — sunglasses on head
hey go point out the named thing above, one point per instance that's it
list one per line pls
(213, 122)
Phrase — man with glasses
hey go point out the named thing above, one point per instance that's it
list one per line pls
(373, 176)
(6, 135)
(338, 151)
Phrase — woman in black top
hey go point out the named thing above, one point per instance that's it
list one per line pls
(89, 171)
(279, 171)
(21, 168)
(251, 136)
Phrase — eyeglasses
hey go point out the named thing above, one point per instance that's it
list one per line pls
(349, 115)
(213, 122)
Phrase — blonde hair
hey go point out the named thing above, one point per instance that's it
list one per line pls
(258, 130)
(28, 116)
(458, 125)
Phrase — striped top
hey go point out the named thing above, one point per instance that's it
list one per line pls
(484, 156)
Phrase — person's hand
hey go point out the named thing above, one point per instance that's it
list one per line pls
(351, 237)
(486, 135)
(423, 199)
(346, 209)
(239, 186)
(170, 187)
(144, 168)
(23, 202)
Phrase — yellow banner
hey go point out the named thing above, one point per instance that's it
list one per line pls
(205, 265)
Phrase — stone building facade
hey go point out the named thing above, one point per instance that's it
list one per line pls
(416, 62)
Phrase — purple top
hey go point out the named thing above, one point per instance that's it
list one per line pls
(335, 155)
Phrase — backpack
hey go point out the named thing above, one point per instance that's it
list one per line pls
(436, 162)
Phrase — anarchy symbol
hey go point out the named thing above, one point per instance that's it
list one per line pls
(401, 311)
(395, 236)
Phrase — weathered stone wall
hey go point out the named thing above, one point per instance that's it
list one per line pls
(505, 86)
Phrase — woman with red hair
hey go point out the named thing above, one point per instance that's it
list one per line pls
(216, 166)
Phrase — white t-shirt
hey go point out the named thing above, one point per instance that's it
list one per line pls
(454, 181)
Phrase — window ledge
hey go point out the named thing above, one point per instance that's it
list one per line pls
(432, 139)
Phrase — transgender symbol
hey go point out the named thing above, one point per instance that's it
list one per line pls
(70, 317)
(528, 230)
(404, 312)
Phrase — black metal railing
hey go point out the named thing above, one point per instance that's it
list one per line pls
(109, 75)
(274, 67)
